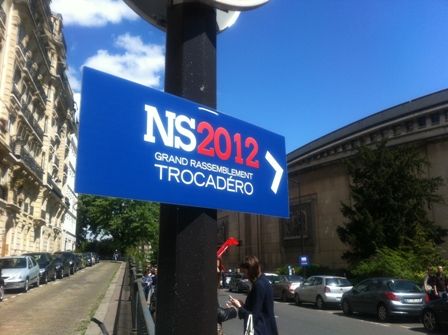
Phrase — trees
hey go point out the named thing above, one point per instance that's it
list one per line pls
(129, 223)
(390, 196)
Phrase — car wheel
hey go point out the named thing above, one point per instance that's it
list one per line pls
(26, 287)
(2, 293)
(46, 278)
(429, 320)
(284, 297)
(55, 275)
(320, 302)
(346, 309)
(382, 313)
(297, 299)
(37, 281)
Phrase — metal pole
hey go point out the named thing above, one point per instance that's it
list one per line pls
(186, 286)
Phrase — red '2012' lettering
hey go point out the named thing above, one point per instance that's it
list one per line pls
(211, 145)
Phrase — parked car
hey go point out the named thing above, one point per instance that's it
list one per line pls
(70, 258)
(88, 258)
(96, 257)
(62, 266)
(47, 269)
(239, 284)
(271, 276)
(322, 290)
(284, 286)
(385, 297)
(2, 286)
(226, 277)
(19, 272)
(435, 314)
(80, 261)
(2, 289)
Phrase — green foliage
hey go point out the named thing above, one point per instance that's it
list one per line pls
(399, 263)
(390, 197)
(127, 222)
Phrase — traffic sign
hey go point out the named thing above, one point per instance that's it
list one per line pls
(304, 261)
(139, 143)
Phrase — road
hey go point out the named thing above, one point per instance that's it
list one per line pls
(306, 320)
(63, 307)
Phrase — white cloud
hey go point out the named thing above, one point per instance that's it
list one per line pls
(92, 13)
(139, 62)
(75, 83)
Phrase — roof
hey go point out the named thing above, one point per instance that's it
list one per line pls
(384, 116)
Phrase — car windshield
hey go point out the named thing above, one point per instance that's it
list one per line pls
(294, 278)
(13, 263)
(339, 282)
(271, 278)
(41, 259)
(403, 286)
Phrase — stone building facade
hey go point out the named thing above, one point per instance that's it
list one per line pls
(318, 183)
(37, 123)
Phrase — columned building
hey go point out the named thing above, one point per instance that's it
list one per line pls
(318, 183)
(36, 125)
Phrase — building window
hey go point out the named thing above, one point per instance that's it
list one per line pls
(421, 122)
(300, 222)
(409, 126)
(435, 119)
(3, 192)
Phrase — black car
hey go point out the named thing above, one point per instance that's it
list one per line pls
(435, 314)
(47, 266)
(62, 266)
(88, 258)
(226, 277)
(239, 284)
(71, 259)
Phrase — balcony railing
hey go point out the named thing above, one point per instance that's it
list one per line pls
(33, 70)
(33, 122)
(54, 187)
(23, 154)
(34, 73)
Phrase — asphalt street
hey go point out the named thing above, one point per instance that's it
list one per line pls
(306, 320)
(62, 307)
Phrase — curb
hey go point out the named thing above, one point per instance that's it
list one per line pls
(108, 309)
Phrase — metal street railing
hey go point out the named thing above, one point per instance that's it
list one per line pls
(142, 321)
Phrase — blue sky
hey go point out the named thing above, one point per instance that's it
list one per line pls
(300, 68)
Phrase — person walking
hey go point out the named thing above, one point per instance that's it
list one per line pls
(147, 283)
(440, 282)
(259, 302)
(429, 284)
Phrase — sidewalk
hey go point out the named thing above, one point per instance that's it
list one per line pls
(114, 311)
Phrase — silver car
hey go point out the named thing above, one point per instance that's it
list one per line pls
(385, 297)
(284, 286)
(19, 272)
(322, 290)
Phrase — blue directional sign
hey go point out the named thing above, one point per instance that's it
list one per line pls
(304, 261)
(139, 143)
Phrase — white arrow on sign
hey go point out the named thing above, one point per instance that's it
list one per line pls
(278, 171)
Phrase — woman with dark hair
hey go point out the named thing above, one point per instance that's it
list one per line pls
(259, 301)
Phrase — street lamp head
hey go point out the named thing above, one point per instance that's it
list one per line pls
(227, 11)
